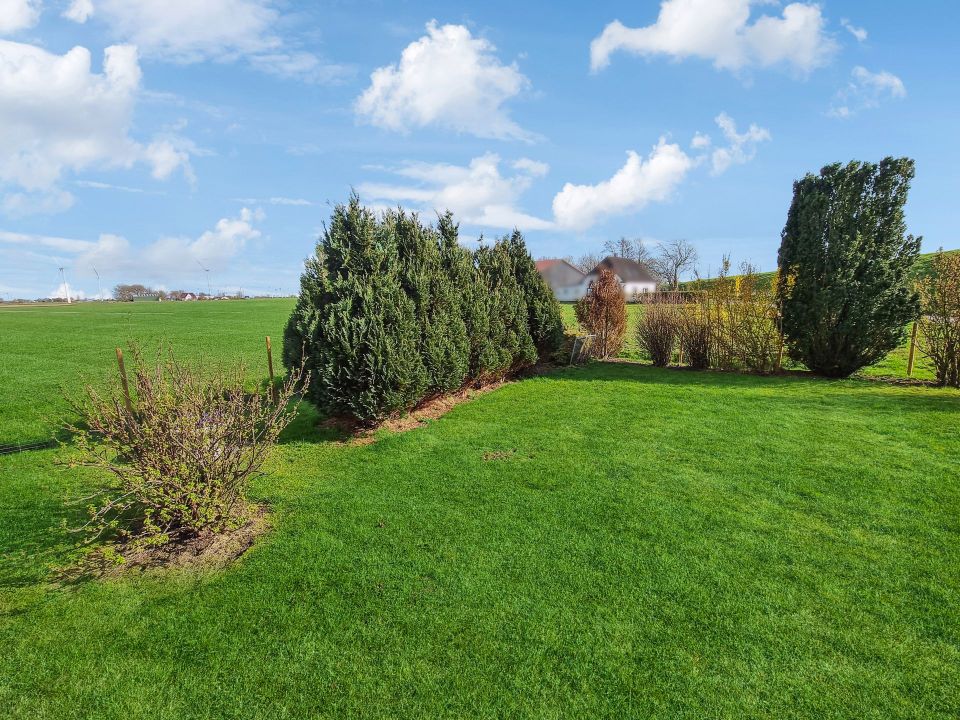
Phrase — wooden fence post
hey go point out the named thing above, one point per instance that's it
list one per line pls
(123, 381)
(913, 348)
(273, 389)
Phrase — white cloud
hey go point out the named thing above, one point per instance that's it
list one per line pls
(16, 15)
(168, 256)
(64, 291)
(700, 141)
(301, 65)
(632, 187)
(477, 194)
(866, 90)
(721, 31)
(447, 78)
(531, 167)
(66, 245)
(292, 202)
(188, 31)
(79, 11)
(44, 202)
(97, 185)
(58, 116)
(742, 147)
(858, 32)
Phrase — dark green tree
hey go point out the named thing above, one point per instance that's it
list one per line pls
(845, 266)
(543, 310)
(355, 322)
(470, 295)
(443, 342)
(510, 345)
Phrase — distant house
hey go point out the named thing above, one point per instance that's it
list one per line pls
(635, 277)
(564, 279)
(568, 283)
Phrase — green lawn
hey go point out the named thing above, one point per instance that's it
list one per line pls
(44, 349)
(646, 543)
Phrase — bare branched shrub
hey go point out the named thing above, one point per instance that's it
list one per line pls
(182, 453)
(694, 333)
(602, 312)
(657, 330)
(744, 321)
(940, 317)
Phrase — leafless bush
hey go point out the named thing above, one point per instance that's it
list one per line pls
(694, 333)
(940, 318)
(603, 313)
(182, 451)
(744, 321)
(657, 331)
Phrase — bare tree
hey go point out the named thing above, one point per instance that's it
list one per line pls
(674, 258)
(586, 262)
(630, 248)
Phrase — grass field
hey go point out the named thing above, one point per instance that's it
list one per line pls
(605, 541)
(44, 349)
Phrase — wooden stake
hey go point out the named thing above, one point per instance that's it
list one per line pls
(123, 381)
(273, 389)
(913, 349)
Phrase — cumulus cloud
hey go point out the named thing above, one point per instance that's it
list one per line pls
(213, 249)
(742, 147)
(58, 116)
(635, 185)
(478, 194)
(79, 11)
(16, 15)
(447, 78)
(721, 31)
(866, 90)
(858, 32)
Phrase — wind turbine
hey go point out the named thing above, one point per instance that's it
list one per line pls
(66, 288)
(207, 271)
(99, 286)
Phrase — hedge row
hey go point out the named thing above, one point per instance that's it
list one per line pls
(392, 311)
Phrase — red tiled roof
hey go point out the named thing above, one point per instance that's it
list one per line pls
(544, 264)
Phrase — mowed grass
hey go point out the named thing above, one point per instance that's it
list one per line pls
(48, 351)
(605, 541)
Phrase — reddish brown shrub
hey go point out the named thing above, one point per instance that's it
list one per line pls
(602, 312)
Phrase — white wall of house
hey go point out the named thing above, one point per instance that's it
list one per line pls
(636, 288)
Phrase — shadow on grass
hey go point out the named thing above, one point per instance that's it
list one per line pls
(921, 396)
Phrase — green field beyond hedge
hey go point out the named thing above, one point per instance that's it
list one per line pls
(604, 541)
(44, 350)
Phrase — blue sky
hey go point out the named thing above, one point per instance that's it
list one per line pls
(151, 138)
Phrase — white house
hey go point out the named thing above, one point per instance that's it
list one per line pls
(569, 284)
(635, 278)
(564, 279)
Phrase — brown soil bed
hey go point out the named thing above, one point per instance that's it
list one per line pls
(428, 410)
(206, 551)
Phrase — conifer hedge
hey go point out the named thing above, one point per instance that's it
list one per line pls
(393, 311)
